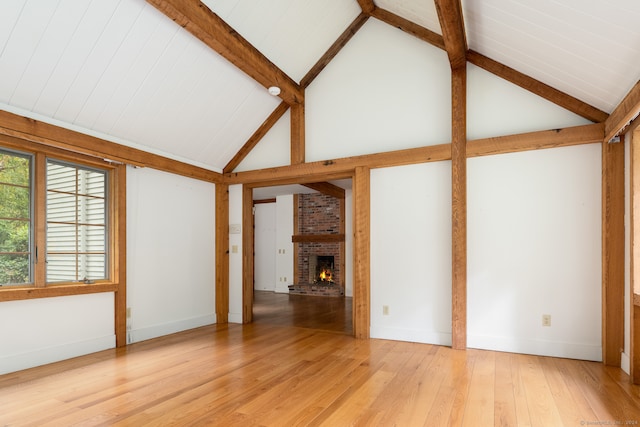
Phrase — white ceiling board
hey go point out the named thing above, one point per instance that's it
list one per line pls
(421, 12)
(122, 70)
(588, 49)
(292, 34)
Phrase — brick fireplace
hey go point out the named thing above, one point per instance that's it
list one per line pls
(319, 263)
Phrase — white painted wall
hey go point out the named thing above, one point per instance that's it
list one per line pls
(496, 107)
(46, 330)
(534, 230)
(170, 253)
(284, 231)
(411, 253)
(385, 90)
(265, 247)
(274, 149)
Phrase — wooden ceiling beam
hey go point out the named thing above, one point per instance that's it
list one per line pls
(409, 27)
(325, 170)
(367, 6)
(200, 21)
(334, 49)
(452, 24)
(623, 114)
(534, 86)
(327, 188)
(256, 137)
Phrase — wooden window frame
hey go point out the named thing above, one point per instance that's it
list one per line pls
(115, 222)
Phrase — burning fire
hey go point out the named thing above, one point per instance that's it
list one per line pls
(325, 275)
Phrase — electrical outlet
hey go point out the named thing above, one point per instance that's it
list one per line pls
(385, 310)
(546, 320)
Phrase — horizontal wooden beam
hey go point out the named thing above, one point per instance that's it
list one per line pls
(326, 170)
(200, 21)
(55, 136)
(534, 86)
(623, 114)
(319, 238)
(14, 293)
(563, 137)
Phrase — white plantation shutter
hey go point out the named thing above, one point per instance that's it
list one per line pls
(76, 223)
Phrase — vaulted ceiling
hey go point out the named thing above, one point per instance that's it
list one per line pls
(122, 70)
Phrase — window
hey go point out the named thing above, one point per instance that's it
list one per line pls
(15, 219)
(76, 223)
(56, 223)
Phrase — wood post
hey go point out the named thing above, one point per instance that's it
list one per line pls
(247, 254)
(222, 253)
(634, 318)
(612, 252)
(459, 207)
(361, 253)
(120, 254)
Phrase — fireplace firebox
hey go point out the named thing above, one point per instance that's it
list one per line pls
(321, 268)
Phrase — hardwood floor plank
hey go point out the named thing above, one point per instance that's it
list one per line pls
(505, 402)
(480, 405)
(266, 374)
(542, 408)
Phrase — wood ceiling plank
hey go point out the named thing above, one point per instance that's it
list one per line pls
(452, 24)
(623, 114)
(200, 21)
(409, 27)
(534, 86)
(256, 137)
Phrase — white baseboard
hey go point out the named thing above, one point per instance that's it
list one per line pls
(142, 334)
(537, 347)
(43, 356)
(625, 363)
(411, 335)
(235, 317)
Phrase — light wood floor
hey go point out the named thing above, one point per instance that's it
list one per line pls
(280, 375)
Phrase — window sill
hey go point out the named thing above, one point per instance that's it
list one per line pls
(14, 293)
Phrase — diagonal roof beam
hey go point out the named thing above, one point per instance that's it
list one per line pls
(623, 114)
(256, 137)
(200, 21)
(534, 86)
(452, 23)
(409, 27)
(344, 38)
